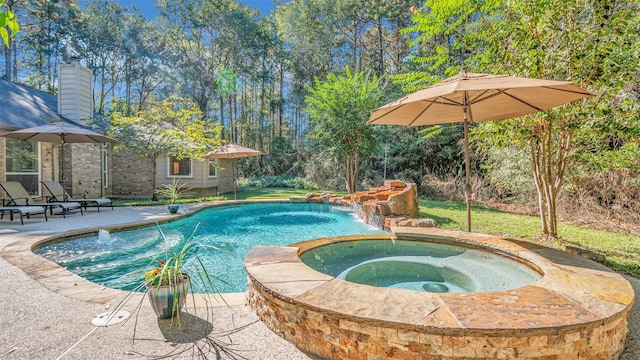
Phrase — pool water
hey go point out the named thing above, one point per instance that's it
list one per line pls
(118, 260)
(419, 266)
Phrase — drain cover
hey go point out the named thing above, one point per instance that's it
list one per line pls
(110, 318)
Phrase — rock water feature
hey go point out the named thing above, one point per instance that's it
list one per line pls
(393, 204)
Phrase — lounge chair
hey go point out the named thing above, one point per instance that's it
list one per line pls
(55, 192)
(23, 211)
(17, 195)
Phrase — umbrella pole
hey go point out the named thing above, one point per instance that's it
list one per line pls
(61, 164)
(233, 175)
(467, 166)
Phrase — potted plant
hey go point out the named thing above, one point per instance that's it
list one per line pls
(168, 284)
(176, 271)
(167, 287)
(173, 192)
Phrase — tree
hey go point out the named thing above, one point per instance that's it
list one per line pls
(50, 24)
(9, 26)
(585, 41)
(339, 109)
(172, 126)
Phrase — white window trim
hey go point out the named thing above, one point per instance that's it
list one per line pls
(190, 176)
(217, 168)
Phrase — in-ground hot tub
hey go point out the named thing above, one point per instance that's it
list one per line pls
(419, 266)
(578, 309)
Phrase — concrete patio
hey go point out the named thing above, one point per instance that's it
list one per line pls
(43, 324)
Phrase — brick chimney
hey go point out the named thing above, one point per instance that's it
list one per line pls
(75, 93)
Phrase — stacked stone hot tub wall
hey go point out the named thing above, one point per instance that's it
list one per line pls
(579, 310)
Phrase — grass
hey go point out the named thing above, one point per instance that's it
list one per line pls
(622, 251)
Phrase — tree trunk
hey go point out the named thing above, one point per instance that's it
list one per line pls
(281, 100)
(537, 177)
(351, 167)
(154, 181)
(381, 51)
(7, 60)
(222, 116)
(548, 167)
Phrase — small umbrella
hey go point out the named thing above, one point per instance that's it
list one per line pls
(232, 151)
(59, 132)
(470, 97)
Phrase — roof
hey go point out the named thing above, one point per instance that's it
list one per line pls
(24, 107)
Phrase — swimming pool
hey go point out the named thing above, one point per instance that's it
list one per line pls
(117, 260)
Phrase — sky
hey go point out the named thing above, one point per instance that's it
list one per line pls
(147, 7)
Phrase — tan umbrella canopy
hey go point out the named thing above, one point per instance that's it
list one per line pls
(232, 151)
(470, 97)
(59, 132)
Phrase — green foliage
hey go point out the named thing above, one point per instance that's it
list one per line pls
(9, 26)
(283, 159)
(282, 181)
(171, 126)
(174, 191)
(508, 170)
(172, 264)
(339, 109)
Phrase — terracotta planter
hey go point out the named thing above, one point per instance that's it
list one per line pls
(168, 300)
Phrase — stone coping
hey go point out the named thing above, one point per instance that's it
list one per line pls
(574, 293)
(62, 281)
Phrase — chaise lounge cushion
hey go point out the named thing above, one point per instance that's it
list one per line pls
(23, 211)
(55, 192)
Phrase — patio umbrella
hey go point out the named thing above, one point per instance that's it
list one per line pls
(470, 97)
(59, 132)
(232, 151)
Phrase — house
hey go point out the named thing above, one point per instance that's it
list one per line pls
(91, 169)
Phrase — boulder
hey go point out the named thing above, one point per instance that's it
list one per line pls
(424, 222)
(395, 184)
(405, 202)
(383, 208)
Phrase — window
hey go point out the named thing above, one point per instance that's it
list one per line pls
(23, 164)
(213, 168)
(179, 167)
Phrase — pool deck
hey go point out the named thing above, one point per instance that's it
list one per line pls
(48, 311)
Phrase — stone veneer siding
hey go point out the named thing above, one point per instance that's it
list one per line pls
(334, 336)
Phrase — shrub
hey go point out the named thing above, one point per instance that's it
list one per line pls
(282, 181)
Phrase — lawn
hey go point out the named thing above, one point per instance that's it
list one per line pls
(622, 251)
